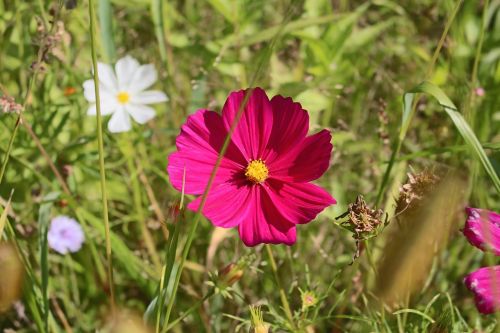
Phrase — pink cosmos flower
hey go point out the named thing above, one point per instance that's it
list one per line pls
(482, 229)
(485, 284)
(263, 183)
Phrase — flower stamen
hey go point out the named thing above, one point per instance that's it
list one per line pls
(256, 171)
(123, 97)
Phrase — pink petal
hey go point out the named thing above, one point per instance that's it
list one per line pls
(199, 144)
(299, 202)
(305, 161)
(485, 284)
(252, 132)
(264, 223)
(290, 126)
(482, 229)
(227, 204)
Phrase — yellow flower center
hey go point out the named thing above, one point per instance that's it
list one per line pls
(123, 97)
(256, 171)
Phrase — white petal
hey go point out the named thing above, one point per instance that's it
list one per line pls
(125, 69)
(140, 113)
(89, 91)
(119, 122)
(143, 78)
(105, 95)
(108, 106)
(149, 97)
(107, 77)
(92, 111)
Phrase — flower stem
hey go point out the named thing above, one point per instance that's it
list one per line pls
(191, 309)
(101, 154)
(284, 300)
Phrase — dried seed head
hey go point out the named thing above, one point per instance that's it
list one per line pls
(363, 220)
(416, 188)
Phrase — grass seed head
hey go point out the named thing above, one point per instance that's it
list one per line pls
(12, 273)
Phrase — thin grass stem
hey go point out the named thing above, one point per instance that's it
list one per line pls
(100, 143)
(284, 300)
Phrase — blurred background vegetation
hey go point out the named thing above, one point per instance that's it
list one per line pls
(347, 62)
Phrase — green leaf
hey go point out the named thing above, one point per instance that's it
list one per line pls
(224, 8)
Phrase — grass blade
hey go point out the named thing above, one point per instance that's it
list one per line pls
(105, 18)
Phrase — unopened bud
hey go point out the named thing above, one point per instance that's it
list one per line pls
(257, 319)
(230, 274)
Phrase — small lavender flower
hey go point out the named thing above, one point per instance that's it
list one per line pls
(65, 235)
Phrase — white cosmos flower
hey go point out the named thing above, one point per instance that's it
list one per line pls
(123, 95)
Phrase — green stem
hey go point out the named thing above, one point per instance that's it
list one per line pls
(9, 148)
(43, 13)
(101, 154)
(428, 72)
(190, 310)
(284, 300)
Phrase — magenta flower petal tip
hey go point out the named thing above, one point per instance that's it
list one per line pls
(65, 235)
(482, 229)
(263, 184)
(485, 284)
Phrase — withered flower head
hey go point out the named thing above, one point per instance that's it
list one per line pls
(362, 220)
(416, 188)
(9, 105)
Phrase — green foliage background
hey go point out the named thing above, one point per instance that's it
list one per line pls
(348, 62)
